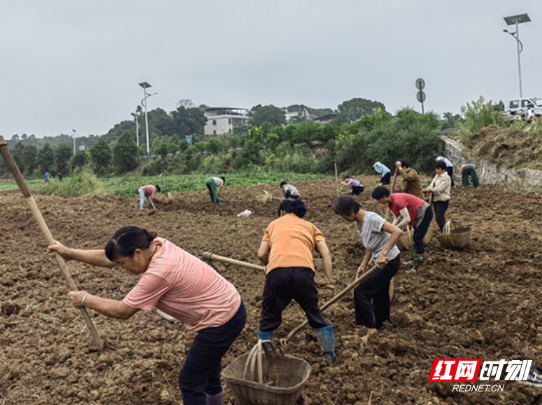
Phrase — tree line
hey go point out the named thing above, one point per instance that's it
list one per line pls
(267, 142)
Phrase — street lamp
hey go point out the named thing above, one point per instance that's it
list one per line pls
(145, 86)
(136, 119)
(515, 20)
(73, 136)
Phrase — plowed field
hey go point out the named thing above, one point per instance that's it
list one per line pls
(480, 302)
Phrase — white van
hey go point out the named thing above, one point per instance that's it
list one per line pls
(527, 108)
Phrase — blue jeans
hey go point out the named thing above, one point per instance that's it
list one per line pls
(200, 374)
(142, 198)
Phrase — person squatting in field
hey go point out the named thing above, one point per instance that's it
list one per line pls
(371, 296)
(289, 191)
(183, 287)
(384, 172)
(286, 251)
(212, 183)
(355, 185)
(440, 188)
(411, 180)
(415, 213)
(149, 192)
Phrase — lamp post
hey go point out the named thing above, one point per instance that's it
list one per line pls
(516, 20)
(145, 86)
(73, 136)
(136, 119)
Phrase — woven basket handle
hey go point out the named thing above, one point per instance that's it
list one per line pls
(254, 359)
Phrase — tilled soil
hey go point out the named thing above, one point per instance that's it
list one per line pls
(479, 302)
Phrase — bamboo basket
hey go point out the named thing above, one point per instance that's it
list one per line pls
(406, 241)
(264, 198)
(454, 236)
(266, 376)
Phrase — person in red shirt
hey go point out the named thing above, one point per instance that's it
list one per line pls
(180, 285)
(413, 212)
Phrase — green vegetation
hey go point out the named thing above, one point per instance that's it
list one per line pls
(85, 182)
(479, 115)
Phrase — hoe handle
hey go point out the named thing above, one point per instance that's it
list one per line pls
(334, 299)
(212, 256)
(392, 189)
(12, 165)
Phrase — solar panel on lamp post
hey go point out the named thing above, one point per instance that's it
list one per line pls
(516, 20)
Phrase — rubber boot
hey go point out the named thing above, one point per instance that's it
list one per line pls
(418, 263)
(265, 335)
(326, 341)
(411, 261)
(216, 399)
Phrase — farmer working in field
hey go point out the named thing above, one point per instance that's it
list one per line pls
(182, 286)
(449, 166)
(384, 173)
(212, 183)
(414, 212)
(286, 250)
(355, 185)
(379, 238)
(440, 187)
(466, 171)
(149, 192)
(411, 180)
(289, 191)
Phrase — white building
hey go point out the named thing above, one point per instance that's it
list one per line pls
(304, 114)
(225, 120)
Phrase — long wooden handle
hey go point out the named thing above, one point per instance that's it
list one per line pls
(392, 189)
(334, 299)
(12, 165)
(212, 256)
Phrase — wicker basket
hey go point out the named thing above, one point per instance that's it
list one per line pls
(407, 238)
(264, 198)
(454, 236)
(266, 377)
(406, 241)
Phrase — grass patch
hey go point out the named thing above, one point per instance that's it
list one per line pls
(84, 182)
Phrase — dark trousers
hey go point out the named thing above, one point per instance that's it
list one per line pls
(357, 190)
(200, 374)
(469, 170)
(440, 211)
(421, 230)
(385, 180)
(450, 171)
(284, 284)
(372, 296)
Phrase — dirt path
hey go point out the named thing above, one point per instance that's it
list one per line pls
(482, 302)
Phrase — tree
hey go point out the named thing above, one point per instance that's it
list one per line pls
(18, 155)
(100, 154)
(125, 153)
(187, 121)
(62, 158)
(29, 159)
(80, 159)
(352, 110)
(45, 158)
(269, 113)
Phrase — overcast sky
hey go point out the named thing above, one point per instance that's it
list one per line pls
(77, 64)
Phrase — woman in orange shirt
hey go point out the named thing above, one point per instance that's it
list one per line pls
(286, 250)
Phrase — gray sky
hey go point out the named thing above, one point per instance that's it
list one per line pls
(77, 64)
